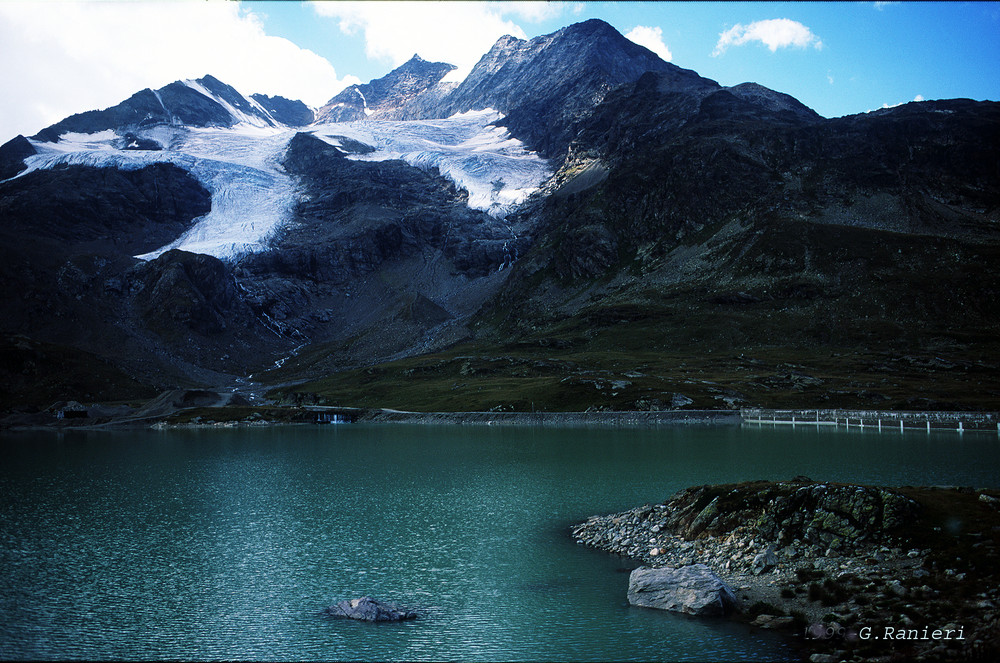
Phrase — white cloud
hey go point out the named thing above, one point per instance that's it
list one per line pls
(651, 38)
(919, 97)
(67, 57)
(455, 32)
(885, 105)
(774, 33)
(533, 11)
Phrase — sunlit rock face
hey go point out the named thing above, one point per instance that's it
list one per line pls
(380, 98)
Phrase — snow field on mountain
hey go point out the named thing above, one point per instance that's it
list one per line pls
(495, 169)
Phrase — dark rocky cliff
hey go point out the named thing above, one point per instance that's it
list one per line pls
(12, 156)
(66, 243)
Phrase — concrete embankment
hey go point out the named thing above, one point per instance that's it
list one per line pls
(886, 421)
(610, 419)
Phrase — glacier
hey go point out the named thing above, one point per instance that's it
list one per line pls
(496, 170)
(252, 195)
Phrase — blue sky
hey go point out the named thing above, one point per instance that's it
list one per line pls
(868, 53)
(61, 57)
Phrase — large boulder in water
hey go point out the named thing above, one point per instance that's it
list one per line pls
(367, 609)
(693, 589)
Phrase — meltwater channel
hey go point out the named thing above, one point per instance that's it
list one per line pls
(228, 544)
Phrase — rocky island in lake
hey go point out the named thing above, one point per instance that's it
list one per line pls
(856, 573)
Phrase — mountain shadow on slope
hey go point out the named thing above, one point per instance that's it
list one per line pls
(12, 156)
(66, 249)
(104, 210)
(732, 229)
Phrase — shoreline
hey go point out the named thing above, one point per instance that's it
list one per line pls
(235, 416)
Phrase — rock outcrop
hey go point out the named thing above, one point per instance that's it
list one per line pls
(815, 518)
(367, 609)
(292, 112)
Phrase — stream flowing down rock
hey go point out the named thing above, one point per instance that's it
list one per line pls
(693, 589)
(367, 609)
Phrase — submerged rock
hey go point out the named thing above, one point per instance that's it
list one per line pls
(694, 590)
(367, 609)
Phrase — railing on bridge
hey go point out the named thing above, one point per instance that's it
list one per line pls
(877, 419)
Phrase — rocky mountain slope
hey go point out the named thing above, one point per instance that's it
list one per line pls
(617, 232)
(380, 98)
(716, 247)
(544, 86)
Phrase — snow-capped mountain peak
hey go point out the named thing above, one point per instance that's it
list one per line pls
(202, 102)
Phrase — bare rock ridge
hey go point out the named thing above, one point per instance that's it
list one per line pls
(543, 85)
(379, 98)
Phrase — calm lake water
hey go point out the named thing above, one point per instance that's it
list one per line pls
(221, 544)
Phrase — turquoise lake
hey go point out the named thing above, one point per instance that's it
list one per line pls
(228, 544)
